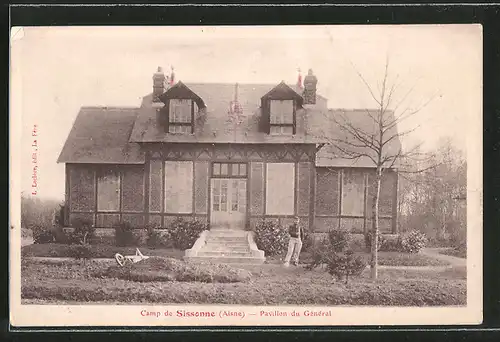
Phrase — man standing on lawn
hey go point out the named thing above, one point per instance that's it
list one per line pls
(295, 244)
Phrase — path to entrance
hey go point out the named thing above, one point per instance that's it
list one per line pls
(434, 253)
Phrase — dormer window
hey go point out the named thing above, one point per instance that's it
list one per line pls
(181, 114)
(282, 117)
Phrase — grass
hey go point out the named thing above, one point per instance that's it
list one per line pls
(168, 269)
(407, 259)
(106, 251)
(79, 282)
(456, 252)
(384, 259)
(98, 251)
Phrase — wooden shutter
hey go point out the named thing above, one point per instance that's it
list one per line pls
(265, 116)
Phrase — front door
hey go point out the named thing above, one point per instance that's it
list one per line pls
(229, 203)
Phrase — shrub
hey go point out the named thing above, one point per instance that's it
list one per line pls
(307, 240)
(321, 253)
(412, 241)
(83, 251)
(345, 264)
(325, 251)
(271, 237)
(84, 231)
(341, 264)
(183, 233)
(60, 236)
(140, 237)
(154, 239)
(41, 235)
(124, 236)
(357, 243)
(339, 239)
(368, 240)
(390, 245)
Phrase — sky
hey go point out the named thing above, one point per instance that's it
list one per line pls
(56, 70)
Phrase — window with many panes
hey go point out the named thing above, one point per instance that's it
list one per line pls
(282, 117)
(238, 195)
(229, 195)
(181, 116)
(226, 170)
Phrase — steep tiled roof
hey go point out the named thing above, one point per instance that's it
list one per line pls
(215, 125)
(113, 135)
(100, 135)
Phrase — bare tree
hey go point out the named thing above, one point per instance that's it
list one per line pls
(375, 141)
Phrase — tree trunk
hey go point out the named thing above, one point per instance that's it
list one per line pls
(374, 239)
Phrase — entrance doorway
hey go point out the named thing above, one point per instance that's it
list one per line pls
(229, 203)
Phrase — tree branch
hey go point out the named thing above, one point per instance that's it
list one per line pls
(366, 83)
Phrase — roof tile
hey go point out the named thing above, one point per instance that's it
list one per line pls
(100, 135)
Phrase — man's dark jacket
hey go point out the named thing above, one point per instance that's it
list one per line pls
(295, 230)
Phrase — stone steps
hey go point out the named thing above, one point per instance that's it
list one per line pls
(221, 242)
(227, 239)
(227, 260)
(228, 232)
(226, 246)
(203, 253)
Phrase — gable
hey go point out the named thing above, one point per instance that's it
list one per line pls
(283, 92)
(181, 91)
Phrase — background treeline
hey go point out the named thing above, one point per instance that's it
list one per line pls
(433, 201)
(38, 213)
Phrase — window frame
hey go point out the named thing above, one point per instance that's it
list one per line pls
(349, 196)
(293, 124)
(267, 208)
(174, 123)
(99, 174)
(230, 167)
(167, 187)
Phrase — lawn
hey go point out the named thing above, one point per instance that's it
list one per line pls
(384, 259)
(269, 284)
(456, 252)
(98, 251)
(407, 259)
(106, 251)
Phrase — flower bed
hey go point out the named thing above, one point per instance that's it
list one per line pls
(168, 269)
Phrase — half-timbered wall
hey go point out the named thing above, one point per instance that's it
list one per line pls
(105, 194)
(265, 165)
(345, 197)
(282, 181)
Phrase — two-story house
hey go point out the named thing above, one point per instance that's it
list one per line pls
(228, 154)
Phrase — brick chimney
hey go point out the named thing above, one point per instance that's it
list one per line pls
(310, 82)
(160, 84)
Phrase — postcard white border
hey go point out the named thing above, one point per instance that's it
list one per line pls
(129, 315)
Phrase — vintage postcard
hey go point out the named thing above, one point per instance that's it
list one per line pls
(246, 176)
